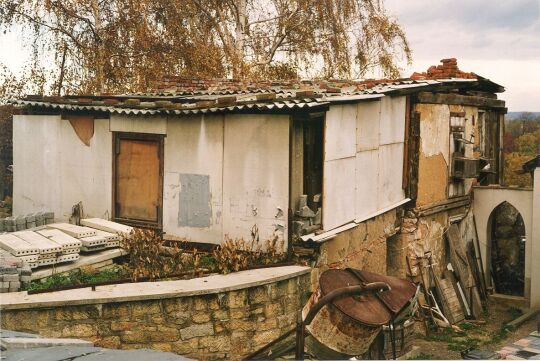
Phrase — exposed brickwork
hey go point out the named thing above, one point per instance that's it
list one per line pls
(221, 326)
(448, 69)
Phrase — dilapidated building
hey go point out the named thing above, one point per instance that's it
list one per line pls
(370, 173)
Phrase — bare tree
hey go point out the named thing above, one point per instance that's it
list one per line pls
(125, 45)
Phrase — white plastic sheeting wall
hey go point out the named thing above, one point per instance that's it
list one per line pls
(54, 170)
(363, 167)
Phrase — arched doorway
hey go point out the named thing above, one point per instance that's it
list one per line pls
(507, 249)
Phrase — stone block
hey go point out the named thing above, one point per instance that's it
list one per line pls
(186, 347)
(200, 317)
(205, 329)
(237, 299)
(11, 277)
(79, 330)
(109, 342)
(15, 284)
(243, 325)
(215, 343)
(263, 338)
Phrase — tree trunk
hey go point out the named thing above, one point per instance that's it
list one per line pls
(241, 21)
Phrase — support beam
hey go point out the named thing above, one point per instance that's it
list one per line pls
(457, 99)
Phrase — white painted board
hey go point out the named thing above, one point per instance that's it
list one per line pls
(367, 128)
(392, 127)
(339, 192)
(340, 132)
(367, 178)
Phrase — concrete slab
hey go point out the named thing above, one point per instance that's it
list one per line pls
(16, 246)
(31, 342)
(92, 241)
(73, 230)
(44, 244)
(108, 235)
(63, 239)
(8, 333)
(131, 355)
(105, 225)
(84, 260)
(54, 353)
(153, 290)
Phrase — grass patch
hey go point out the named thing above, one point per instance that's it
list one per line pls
(85, 276)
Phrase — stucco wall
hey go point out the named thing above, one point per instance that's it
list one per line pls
(486, 199)
(54, 169)
(436, 150)
(226, 324)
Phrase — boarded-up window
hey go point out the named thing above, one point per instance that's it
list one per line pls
(138, 178)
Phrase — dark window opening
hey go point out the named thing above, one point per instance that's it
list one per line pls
(307, 158)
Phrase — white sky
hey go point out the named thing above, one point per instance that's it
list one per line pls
(498, 39)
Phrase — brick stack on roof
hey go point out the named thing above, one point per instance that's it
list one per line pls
(448, 69)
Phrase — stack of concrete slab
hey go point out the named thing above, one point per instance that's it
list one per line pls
(61, 242)
(13, 272)
(23, 222)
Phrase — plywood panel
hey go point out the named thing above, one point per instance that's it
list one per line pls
(392, 128)
(138, 179)
(256, 175)
(339, 192)
(194, 149)
(390, 175)
(340, 133)
(367, 129)
(367, 177)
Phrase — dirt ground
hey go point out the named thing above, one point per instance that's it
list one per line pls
(491, 336)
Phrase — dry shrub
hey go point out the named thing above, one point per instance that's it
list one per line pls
(149, 258)
(236, 254)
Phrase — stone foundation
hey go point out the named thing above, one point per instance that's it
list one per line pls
(222, 325)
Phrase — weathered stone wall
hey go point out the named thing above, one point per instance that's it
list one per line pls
(218, 326)
(6, 150)
(362, 247)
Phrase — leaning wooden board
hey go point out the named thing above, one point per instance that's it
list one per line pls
(460, 263)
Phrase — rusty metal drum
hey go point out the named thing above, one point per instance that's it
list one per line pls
(349, 325)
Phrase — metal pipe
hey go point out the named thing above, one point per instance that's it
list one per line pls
(330, 297)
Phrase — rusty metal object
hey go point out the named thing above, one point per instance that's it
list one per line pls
(349, 325)
(339, 334)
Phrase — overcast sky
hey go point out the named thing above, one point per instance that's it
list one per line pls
(498, 39)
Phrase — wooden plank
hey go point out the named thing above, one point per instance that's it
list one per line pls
(458, 258)
(457, 99)
(454, 313)
(138, 179)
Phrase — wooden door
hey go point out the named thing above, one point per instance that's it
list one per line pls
(138, 183)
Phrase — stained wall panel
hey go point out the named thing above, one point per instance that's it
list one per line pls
(392, 128)
(367, 186)
(256, 175)
(340, 132)
(339, 192)
(368, 121)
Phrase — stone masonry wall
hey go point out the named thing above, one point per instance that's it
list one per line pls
(218, 326)
(362, 247)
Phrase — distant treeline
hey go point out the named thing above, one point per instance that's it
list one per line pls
(521, 142)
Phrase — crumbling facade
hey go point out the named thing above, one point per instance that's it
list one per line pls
(367, 173)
